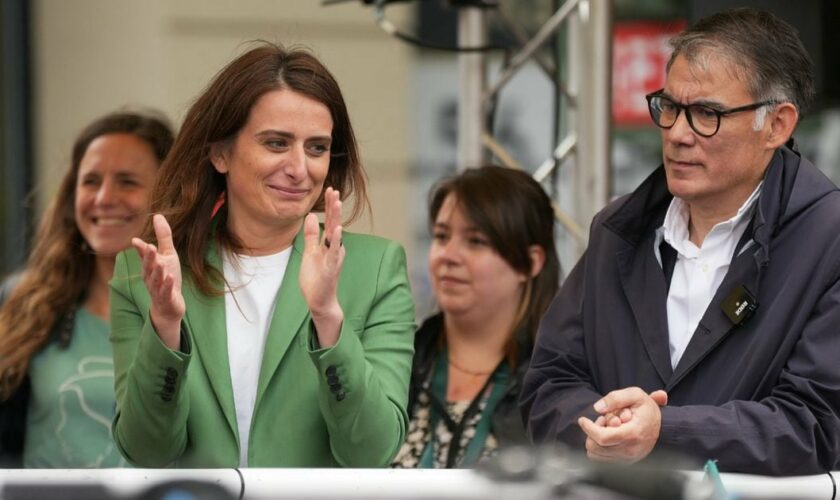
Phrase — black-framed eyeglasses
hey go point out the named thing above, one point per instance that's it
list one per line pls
(703, 119)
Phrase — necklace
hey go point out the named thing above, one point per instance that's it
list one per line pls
(468, 372)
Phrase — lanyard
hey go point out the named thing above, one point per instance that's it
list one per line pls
(496, 383)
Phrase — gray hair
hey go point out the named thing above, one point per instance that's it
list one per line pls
(763, 49)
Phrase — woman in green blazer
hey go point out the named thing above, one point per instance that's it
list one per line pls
(247, 335)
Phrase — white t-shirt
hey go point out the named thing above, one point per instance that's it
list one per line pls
(698, 272)
(249, 305)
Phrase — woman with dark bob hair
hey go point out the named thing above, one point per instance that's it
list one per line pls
(235, 341)
(56, 368)
(494, 270)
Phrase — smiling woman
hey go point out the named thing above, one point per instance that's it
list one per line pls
(235, 342)
(54, 316)
(115, 177)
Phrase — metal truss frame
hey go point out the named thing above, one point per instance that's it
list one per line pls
(582, 148)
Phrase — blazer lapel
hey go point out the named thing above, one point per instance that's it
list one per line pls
(715, 325)
(206, 318)
(644, 285)
(290, 312)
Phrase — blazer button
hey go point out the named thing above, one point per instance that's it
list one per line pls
(332, 379)
(330, 370)
(169, 379)
(172, 372)
(168, 388)
(340, 396)
(335, 388)
(166, 397)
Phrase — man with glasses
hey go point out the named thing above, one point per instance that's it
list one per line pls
(704, 317)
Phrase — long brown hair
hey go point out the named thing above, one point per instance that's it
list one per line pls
(188, 187)
(59, 268)
(513, 211)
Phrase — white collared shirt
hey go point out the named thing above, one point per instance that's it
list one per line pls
(698, 271)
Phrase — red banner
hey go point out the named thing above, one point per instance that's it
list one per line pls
(640, 52)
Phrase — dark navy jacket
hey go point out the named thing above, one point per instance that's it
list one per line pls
(763, 397)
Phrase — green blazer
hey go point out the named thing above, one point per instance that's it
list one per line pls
(177, 409)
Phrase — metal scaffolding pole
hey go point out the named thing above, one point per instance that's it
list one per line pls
(472, 72)
(590, 57)
(596, 123)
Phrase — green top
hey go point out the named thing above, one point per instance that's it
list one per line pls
(68, 423)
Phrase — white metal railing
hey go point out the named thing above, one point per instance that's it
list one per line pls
(263, 483)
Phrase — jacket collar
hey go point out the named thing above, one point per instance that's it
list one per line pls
(645, 207)
(647, 204)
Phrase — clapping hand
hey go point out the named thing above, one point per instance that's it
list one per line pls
(162, 275)
(321, 267)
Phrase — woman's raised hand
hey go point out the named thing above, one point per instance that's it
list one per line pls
(321, 267)
(162, 275)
